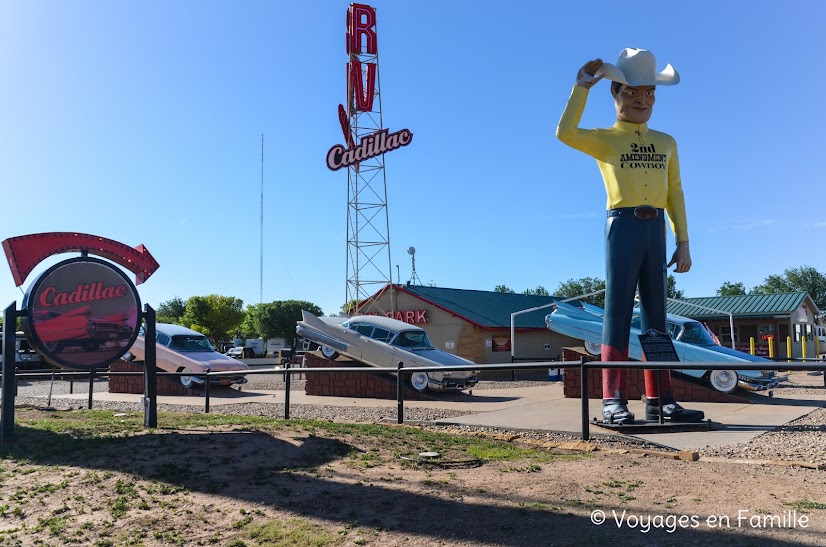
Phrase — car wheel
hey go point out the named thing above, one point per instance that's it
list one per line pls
(54, 347)
(418, 380)
(329, 353)
(723, 380)
(592, 348)
(187, 381)
(91, 346)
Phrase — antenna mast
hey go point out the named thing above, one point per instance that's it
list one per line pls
(414, 278)
(261, 253)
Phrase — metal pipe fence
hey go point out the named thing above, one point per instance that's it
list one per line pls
(402, 372)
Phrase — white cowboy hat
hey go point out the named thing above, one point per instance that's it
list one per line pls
(638, 67)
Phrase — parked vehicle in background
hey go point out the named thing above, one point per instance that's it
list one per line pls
(692, 341)
(180, 349)
(236, 352)
(282, 356)
(256, 347)
(275, 344)
(384, 342)
(247, 349)
(24, 356)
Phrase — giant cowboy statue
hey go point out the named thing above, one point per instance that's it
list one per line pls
(641, 172)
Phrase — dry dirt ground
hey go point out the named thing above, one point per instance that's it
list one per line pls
(305, 484)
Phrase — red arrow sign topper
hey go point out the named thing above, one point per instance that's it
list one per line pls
(26, 252)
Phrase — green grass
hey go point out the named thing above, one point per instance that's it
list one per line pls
(119, 508)
(64, 432)
(805, 504)
(290, 533)
(54, 524)
(65, 435)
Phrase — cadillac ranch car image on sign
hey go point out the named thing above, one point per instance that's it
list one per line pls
(81, 313)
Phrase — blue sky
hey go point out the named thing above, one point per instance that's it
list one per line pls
(142, 122)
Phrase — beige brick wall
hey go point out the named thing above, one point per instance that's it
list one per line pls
(471, 343)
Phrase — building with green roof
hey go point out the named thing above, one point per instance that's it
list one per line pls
(780, 316)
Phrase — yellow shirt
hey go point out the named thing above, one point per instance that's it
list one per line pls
(639, 166)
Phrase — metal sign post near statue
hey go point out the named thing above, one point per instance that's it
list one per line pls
(82, 313)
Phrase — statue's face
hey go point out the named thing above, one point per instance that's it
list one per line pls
(634, 103)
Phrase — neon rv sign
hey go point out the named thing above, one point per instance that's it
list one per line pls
(362, 39)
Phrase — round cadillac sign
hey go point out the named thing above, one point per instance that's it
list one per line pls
(82, 313)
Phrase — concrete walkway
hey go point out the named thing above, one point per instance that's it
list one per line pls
(732, 423)
(542, 408)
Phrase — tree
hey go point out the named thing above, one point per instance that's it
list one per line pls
(804, 278)
(504, 288)
(278, 319)
(585, 285)
(248, 328)
(539, 291)
(731, 289)
(216, 316)
(18, 323)
(671, 290)
(171, 311)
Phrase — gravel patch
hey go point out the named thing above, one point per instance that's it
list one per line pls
(803, 439)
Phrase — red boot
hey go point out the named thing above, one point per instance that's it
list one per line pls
(614, 389)
(672, 411)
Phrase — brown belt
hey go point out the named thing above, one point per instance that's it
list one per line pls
(645, 212)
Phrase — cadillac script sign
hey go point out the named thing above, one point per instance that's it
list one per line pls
(82, 313)
(362, 39)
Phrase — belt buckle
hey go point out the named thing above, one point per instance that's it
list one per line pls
(646, 212)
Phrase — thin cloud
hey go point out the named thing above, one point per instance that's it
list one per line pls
(563, 216)
(746, 225)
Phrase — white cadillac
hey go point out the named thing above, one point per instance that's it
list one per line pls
(384, 342)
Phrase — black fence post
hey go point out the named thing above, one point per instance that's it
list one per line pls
(660, 393)
(8, 383)
(92, 374)
(583, 384)
(206, 393)
(150, 371)
(400, 393)
(287, 390)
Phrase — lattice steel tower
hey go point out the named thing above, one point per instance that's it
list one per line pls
(368, 222)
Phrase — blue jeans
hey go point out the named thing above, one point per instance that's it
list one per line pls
(634, 258)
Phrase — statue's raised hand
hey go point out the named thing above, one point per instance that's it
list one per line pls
(586, 77)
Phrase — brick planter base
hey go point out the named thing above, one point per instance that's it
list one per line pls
(352, 384)
(683, 390)
(167, 385)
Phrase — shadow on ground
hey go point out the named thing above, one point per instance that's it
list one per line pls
(291, 473)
